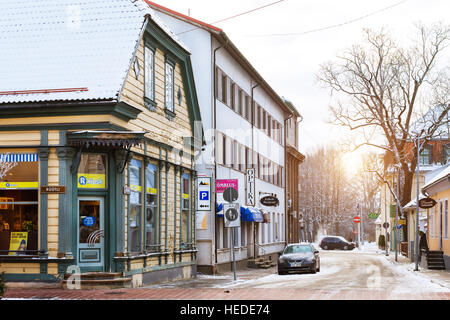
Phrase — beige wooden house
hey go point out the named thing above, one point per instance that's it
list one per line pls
(97, 114)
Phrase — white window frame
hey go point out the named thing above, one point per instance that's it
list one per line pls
(169, 87)
(149, 73)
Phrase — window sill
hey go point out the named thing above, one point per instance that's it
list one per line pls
(150, 104)
(170, 115)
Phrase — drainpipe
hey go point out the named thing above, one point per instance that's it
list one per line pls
(214, 147)
(253, 148)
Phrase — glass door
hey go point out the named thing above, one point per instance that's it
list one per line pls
(91, 240)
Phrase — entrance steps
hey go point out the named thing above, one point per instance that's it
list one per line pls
(96, 280)
(435, 260)
(261, 263)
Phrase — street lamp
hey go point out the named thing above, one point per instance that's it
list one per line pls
(417, 206)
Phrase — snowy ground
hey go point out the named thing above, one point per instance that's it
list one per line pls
(364, 268)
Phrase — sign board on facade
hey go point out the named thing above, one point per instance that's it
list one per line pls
(269, 201)
(393, 210)
(223, 184)
(373, 215)
(203, 193)
(53, 189)
(402, 222)
(250, 191)
(427, 203)
(231, 214)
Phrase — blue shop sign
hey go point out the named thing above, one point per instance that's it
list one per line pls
(89, 221)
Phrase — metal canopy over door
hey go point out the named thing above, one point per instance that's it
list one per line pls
(91, 240)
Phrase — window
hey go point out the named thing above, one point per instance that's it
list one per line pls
(243, 233)
(186, 237)
(19, 204)
(135, 206)
(223, 97)
(446, 153)
(236, 154)
(425, 156)
(231, 96)
(92, 171)
(269, 126)
(149, 73)
(239, 103)
(169, 88)
(264, 127)
(247, 108)
(151, 210)
(446, 219)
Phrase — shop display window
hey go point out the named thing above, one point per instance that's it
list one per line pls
(151, 214)
(19, 204)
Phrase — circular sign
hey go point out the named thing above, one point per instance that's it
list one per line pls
(89, 221)
(355, 232)
(270, 201)
(356, 219)
(231, 214)
(386, 225)
(427, 203)
(230, 195)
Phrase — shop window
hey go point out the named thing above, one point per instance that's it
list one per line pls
(19, 204)
(151, 210)
(185, 211)
(92, 171)
(135, 206)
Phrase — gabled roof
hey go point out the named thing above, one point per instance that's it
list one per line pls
(444, 174)
(222, 37)
(53, 50)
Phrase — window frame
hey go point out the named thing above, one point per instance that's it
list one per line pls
(171, 64)
(149, 99)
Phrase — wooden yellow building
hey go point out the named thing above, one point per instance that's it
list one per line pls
(96, 144)
(438, 231)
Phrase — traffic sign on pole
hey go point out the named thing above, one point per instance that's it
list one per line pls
(356, 219)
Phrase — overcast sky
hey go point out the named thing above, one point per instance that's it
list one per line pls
(287, 41)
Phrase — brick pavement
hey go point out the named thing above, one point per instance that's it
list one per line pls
(218, 294)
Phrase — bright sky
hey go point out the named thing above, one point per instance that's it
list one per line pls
(289, 63)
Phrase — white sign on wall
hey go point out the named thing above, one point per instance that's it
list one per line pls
(250, 190)
(203, 194)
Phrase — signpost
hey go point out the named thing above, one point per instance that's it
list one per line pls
(232, 216)
(356, 219)
(427, 203)
(270, 201)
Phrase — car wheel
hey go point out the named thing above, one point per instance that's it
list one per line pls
(313, 271)
(345, 247)
(325, 247)
(281, 273)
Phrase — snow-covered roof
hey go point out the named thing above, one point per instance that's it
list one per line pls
(444, 173)
(69, 50)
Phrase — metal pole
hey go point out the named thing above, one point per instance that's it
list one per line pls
(362, 225)
(386, 230)
(417, 209)
(396, 214)
(234, 258)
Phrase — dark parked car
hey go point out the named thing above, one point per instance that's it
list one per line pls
(299, 257)
(335, 242)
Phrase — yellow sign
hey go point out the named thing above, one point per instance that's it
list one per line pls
(185, 196)
(152, 190)
(135, 188)
(18, 243)
(401, 222)
(19, 185)
(91, 181)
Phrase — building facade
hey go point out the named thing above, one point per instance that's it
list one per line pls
(96, 144)
(244, 123)
(294, 219)
(438, 188)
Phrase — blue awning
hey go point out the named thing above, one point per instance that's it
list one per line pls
(251, 214)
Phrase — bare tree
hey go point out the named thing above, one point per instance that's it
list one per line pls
(387, 88)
